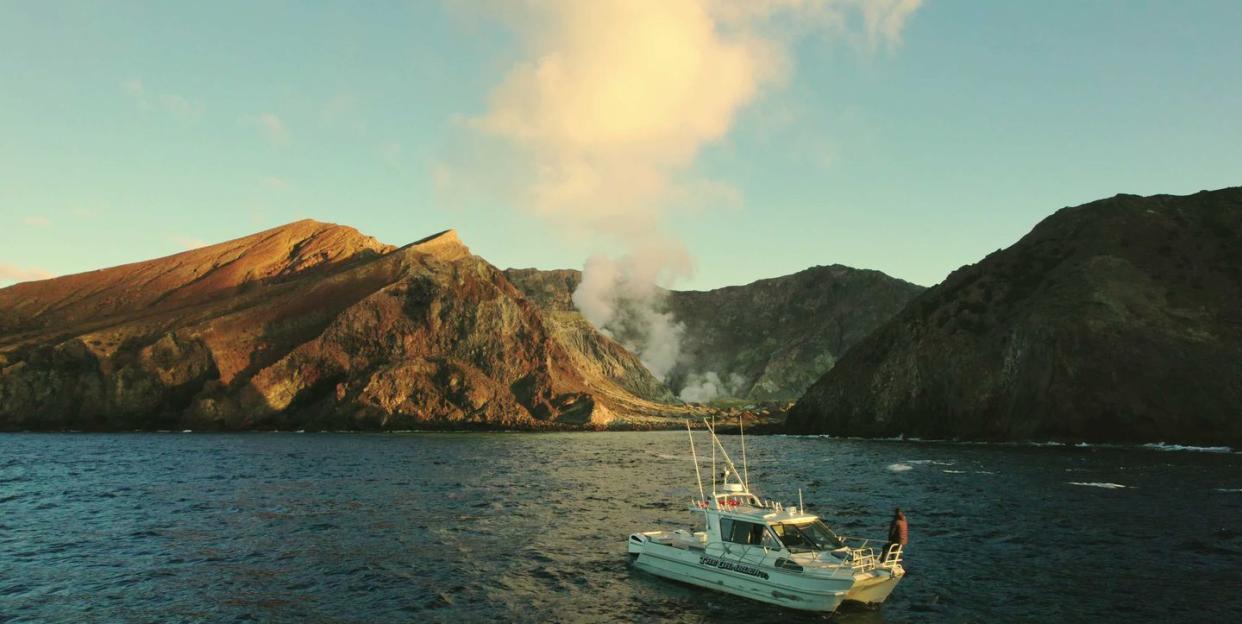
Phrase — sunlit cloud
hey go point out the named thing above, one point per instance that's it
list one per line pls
(391, 153)
(186, 243)
(175, 105)
(85, 213)
(619, 95)
(442, 177)
(616, 99)
(344, 110)
(601, 124)
(14, 273)
(271, 126)
(275, 183)
(37, 221)
(886, 19)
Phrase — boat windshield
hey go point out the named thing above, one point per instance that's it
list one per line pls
(806, 536)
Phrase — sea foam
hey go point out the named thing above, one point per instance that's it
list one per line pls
(1161, 446)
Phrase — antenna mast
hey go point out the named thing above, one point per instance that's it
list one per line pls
(698, 477)
(728, 460)
(712, 430)
(741, 431)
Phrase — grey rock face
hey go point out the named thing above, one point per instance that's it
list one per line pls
(1119, 320)
(765, 341)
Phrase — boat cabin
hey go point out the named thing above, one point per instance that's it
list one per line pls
(744, 519)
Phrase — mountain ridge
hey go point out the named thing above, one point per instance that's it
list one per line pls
(1118, 320)
(306, 325)
(771, 338)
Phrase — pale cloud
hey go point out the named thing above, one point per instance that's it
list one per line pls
(271, 125)
(175, 105)
(883, 21)
(886, 19)
(338, 106)
(344, 110)
(617, 98)
(14, 273)
(135, 89)
(442, 177)
(186, 243)
(601, 123)
(391, 153)
(37, 221)
(89, 210)
(275, 183)
(704, 194)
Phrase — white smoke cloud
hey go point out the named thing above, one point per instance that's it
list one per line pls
(617, 97)
(622, 298)
(612, 104)
(709, 386)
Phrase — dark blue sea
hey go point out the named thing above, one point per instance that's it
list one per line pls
(423, 527)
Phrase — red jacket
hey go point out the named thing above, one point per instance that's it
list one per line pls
(898, 531)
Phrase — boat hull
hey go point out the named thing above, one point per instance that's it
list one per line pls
(874, 587)
(741, 577)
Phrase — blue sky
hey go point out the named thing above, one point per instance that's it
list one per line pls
(133, 130)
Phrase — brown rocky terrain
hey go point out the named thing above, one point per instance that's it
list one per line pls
(766, 341)
(590, 349)
(309, 325)
(1115, 321)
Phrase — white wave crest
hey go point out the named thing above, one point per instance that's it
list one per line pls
(898, 467)
(1161, 446)
(1099, 484)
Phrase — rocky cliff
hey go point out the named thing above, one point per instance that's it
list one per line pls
(771, 339)
(765, 341)
(591, 350)
(1119, 320)
(309, 325)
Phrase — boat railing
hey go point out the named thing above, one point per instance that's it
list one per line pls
(892, 558)
(864, 558)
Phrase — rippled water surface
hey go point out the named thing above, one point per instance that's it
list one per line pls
(531, 527)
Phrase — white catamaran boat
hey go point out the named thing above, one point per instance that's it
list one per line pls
(765, 551)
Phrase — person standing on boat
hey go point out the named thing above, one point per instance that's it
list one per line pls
(898, 532)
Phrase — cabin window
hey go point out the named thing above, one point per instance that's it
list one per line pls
(742, 532)
(807, 536)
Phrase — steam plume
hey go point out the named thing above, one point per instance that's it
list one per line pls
(615, 100)
(709, 386)
(621, 298)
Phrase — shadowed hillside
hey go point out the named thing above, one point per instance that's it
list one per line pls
(1119, 320)
(767, 340)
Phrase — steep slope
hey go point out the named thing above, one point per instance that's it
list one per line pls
(591, 350)
(1119, 320)
(773, 338)
(185, 278)
(767, 340)
(306, 326)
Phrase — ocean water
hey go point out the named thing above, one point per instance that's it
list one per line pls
(285, 527)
